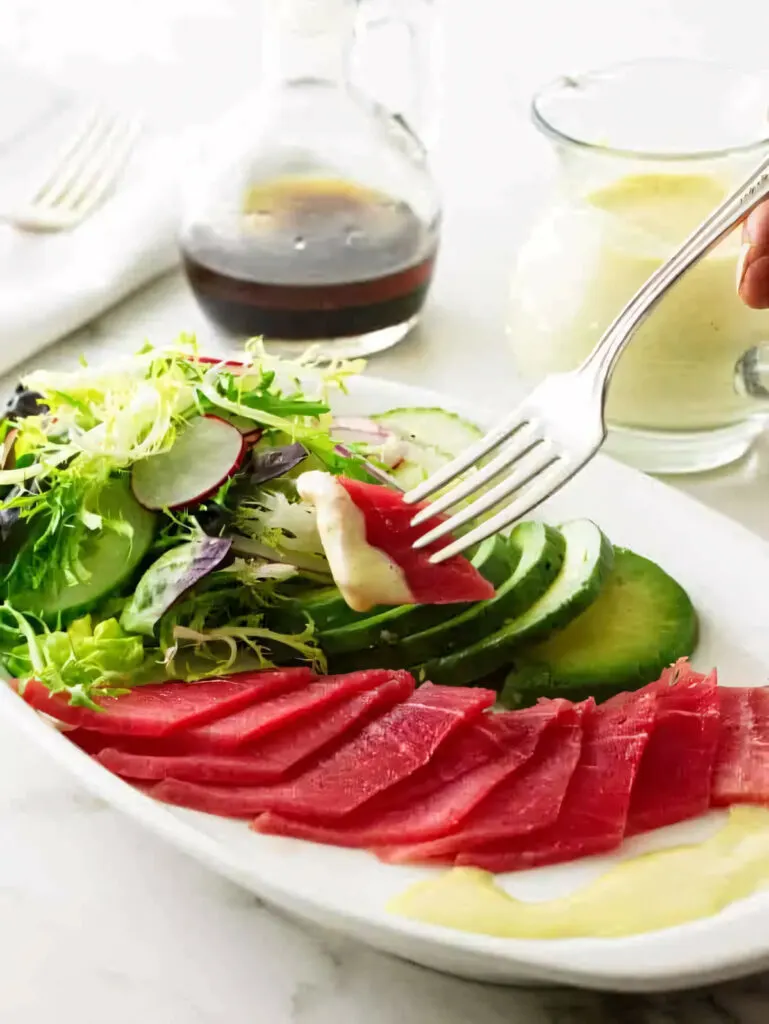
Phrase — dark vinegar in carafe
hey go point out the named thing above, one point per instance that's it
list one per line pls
(312, 259)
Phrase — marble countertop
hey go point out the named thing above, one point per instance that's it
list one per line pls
(101, 922)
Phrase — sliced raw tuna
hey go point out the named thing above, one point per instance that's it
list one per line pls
(528, 800)
(674, 778)
(315, 736)
(436, 798)
(245, 726)
(388, 528)
(269, 759)
(509, 736)
(164, 708)
(594, 811)
(90, 741)
(741, 769)
(387, 751)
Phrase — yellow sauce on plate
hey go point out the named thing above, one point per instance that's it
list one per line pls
(656, 890)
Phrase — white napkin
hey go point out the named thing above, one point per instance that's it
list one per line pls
(51, 284)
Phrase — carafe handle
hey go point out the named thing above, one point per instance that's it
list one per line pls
(386, 29)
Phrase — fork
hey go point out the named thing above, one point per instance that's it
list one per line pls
(560, 425)
(81, 175)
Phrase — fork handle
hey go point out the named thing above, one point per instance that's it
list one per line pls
(603, 359)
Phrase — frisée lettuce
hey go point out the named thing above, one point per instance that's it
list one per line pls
(66, 495)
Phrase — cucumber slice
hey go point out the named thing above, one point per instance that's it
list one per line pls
(332, 615)
(431, 428)
(642, 621)
(326, 607)
(494, 560)
(434, 437)
(586, 565)
(538, 556)
(109, 558)
(420, 462)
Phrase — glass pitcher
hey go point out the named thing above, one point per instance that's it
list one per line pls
(645, 151)
(318, 220)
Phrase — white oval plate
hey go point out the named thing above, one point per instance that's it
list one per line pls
(725, 569)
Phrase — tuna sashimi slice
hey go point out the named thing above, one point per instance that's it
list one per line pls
(384, 753)
(267, 760)
(388, 528)
(247, 725)
(741, 769)
(674, 778)
(507, 736)
(93, 742)
(528, 800)
(594, 811)
(284, 750)
(435, 799)
(160, 709)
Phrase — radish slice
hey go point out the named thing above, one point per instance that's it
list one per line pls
(251, 433)
(7, 456)
(216, 361)
(204, 455)
(390, 448)
(358, 428)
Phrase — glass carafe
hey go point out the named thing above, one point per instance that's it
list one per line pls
(645, 151)
(318, 220)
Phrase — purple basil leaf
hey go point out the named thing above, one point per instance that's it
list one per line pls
(168, 578)
(269, 463)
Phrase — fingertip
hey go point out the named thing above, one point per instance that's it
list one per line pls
(756, 228)
(754, 285)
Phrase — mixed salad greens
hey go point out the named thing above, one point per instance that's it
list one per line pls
(149, 517)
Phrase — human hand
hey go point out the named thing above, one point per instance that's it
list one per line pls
(753, 266)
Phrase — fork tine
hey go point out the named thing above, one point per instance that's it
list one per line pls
(520, 445)
(68, 173)
(509, 426)
(528, 469)
(116, 150)
(548, 482)
(65, 153)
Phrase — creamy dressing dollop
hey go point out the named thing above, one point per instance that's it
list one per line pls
(642, 894)
(365, 575)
